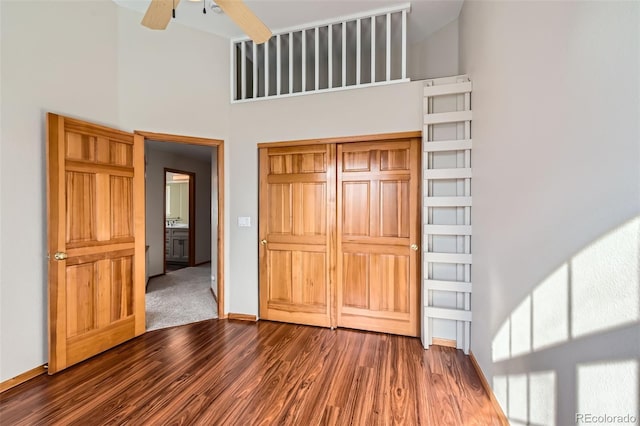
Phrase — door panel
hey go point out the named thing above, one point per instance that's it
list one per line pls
(121, 204)
(95, 196)
(377, 224)
(280, 209)
(297, 210)
(312, 209)
(281, 276)
(394, 209)
(356, 212)
(355, 274)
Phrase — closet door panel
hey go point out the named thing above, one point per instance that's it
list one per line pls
(297, 223)
(377, 225)
(337, 225)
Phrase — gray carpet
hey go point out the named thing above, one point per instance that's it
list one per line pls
(180, 297)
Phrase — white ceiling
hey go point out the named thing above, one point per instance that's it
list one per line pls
(425, 17)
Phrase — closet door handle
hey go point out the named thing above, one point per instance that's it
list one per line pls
(414, 247)
(263, 242)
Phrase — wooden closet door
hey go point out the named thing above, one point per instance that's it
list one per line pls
(297, 225)
(377, 257)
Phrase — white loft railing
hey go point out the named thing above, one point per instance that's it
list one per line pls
(357, 51)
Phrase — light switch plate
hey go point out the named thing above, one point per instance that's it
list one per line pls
(244, 222)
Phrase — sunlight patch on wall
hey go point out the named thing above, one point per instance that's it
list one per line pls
(550, 310)
(596, 290)
(501, 346)
(518, 397)
(500, 390)
(521, 328)
(528, 399)
(542, 398)
(605, 282)
(608, 388)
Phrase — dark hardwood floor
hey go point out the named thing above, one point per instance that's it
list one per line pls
(220, 372)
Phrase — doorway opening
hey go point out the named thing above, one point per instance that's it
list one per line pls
(179, 222)
(185, 226)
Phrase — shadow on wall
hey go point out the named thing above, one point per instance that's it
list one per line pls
(571, 349)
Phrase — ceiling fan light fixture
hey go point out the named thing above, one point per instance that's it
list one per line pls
(160, 12)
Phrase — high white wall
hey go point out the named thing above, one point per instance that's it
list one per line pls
(157, 161)
(437, 56)
(173, 81)
(91, 60)
(382, 109)
(556, 187)
(60, 57)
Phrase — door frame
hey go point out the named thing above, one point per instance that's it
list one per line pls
(192, 216)
(219, 145)
(379, 137)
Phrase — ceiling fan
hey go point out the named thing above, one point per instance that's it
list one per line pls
(160, 12)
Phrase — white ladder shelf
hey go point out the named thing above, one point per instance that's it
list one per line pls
(447, 139)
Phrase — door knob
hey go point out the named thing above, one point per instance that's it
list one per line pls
(263, 242)
(414, 247)
(60, 255)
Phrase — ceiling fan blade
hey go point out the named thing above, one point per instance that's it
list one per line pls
(245, 19)
(159, 14)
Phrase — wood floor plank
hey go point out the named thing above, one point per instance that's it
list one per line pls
(220, 372)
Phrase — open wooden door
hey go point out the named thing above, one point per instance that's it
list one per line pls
(297, 221)
(95, 213)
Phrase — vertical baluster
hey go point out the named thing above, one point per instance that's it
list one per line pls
(243, 69)
(344, 54)
(266, 69)
(373, 49)
(279, 64)
(330, 57)
(358, 42)
(234, 71)
(317, 52)
(254, 51)
(388, 47)
(290, 62)
(304, 60)
(404, 44)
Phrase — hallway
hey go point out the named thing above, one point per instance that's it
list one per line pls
(180, 297)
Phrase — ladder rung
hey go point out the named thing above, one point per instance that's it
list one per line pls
(455, 173)
(448, 89)
(447, 258)
(440, 285)
(447, 313)
(447, 201)
(452, 145)
(447, 117)
(447, 229)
